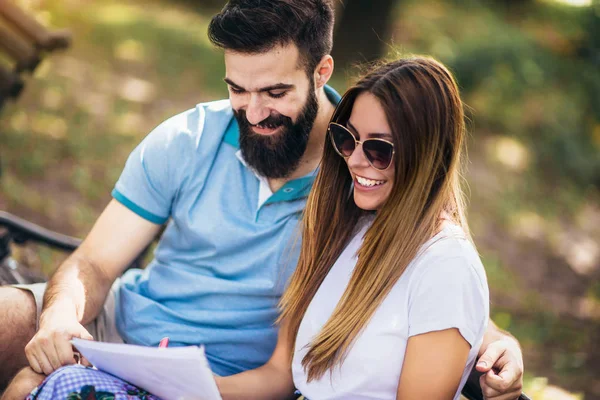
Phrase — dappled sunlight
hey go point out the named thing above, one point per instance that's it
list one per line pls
(49, 125)
(161, 43)
(173, 17)
(528, 225)
(588, 308)
(539, 389)
(72, 69)
(130, 50)
(116, 14)
(18, 121)
(575, 3)
(581, 252)
(53, 98)
(588, 217)
(182, 20)
(511, 153)
(137, 90)
(97, 104)
(43, 70)
(128, 124)
(483, 180)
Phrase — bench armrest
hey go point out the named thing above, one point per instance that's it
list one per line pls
(23, 231)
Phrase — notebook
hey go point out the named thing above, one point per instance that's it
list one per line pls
(173, 373)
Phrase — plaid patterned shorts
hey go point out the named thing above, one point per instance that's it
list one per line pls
(76, 382)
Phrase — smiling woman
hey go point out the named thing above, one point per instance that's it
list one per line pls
(394, 270)
(370, 168)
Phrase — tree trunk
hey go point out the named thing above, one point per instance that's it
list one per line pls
(363, 30)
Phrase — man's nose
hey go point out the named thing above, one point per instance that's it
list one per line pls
(256, 111)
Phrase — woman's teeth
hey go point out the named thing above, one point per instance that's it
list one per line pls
(368, 182)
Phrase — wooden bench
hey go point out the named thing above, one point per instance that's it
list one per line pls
(23, 44)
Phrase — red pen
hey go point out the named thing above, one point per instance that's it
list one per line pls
(164, 342)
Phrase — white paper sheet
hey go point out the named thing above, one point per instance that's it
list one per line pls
(170, 373)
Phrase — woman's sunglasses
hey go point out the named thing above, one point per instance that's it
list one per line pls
(379, 152)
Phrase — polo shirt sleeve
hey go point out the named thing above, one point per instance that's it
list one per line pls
(153, 172)
(449, 294)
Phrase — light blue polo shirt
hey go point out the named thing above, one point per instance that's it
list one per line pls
(225, 257)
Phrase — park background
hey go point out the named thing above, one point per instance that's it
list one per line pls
(529, 72)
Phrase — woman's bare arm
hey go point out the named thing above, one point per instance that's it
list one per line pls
(271, 381)
(433, 365)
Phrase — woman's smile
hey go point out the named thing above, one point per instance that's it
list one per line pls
(366, 184)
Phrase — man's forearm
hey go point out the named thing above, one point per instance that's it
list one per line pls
(492, 334)
(79, 287)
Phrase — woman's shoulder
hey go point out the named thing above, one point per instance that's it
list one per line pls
(448, 287)
(450, 252)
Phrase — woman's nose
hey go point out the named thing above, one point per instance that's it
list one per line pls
(357, 159)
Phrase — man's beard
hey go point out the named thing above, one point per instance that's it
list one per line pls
(278, 155)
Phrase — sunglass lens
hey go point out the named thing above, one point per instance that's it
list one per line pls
(379, 153)
(342, 139)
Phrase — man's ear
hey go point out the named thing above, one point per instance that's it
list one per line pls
(323, 71)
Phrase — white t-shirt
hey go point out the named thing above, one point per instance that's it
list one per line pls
(443, 287)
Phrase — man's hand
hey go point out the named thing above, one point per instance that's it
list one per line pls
(502, 365)
(50, 348)
(77, 291)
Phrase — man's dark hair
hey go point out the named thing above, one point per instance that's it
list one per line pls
(257, 26)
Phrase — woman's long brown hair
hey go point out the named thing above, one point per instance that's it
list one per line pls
(425, 113)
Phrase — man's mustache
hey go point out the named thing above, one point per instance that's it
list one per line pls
(271, 120)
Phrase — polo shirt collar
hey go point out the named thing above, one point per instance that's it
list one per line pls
(292, 190)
